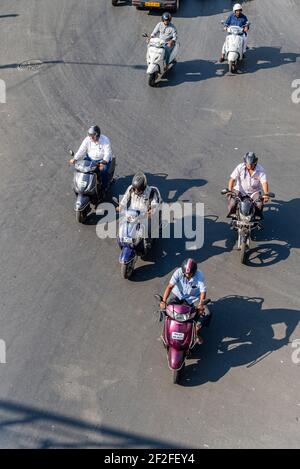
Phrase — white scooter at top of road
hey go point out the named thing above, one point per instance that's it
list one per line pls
(234, 46)
(156, 62)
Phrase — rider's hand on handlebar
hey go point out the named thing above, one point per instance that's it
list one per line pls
(200, 309)
(72, 161)
(162, 305)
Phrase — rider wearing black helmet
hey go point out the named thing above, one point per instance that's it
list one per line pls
(166, 30)
(140, 196)
(248, 178)
(188, 287)
(96, 147)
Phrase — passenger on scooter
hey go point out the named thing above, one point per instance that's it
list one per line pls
(140, 196)
(188, 287)
(96, 147)
(237, 18)
(248, 178)
(166, 30)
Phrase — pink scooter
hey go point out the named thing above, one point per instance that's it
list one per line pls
(179, 334)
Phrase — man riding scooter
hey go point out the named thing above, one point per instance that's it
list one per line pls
(188, 287)
(166, 30)
(237, 18)
(144, 198)
(96, 147)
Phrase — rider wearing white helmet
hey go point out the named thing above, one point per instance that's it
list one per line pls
(237, 18)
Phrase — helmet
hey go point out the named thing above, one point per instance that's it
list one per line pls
(166, 16)
(189, 266)
(237, 6)
(94, 130)
(139, 182)
(250, 158)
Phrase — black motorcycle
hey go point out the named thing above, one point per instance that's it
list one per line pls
(245, 219)
(88, 186)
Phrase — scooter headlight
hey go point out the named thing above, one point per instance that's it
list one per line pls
(245, 218)
(181, 317)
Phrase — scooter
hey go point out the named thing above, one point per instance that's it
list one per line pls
(88, 187)
(133, 240)
(179, 334)
(245, 220)
(234, 46)
(156, 60)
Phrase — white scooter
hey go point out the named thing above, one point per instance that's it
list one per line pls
(234, 47)
(156, 61)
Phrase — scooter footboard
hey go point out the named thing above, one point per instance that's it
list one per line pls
(175, 358)
(152, 68)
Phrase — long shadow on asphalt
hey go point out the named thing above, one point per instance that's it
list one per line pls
(46, 429)
(281, 234)
(240, 335)
(262, 58)
(192, 71)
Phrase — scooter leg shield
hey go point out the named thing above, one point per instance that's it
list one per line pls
(81, 202)
(175, 358)
(232, 56)
(126, 255)
(152, 68)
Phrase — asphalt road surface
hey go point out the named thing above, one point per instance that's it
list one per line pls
(84, 363)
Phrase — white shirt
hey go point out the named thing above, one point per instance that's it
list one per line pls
(100, 150)
(245, 183)
(188, 289)
(140, 202)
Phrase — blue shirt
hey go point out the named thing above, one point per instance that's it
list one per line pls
(233, 20)
(188, 289)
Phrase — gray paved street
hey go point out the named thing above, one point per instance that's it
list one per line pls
(84, 363)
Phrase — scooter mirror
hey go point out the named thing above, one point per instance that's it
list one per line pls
(222, 22)
(158, 297)
(271, 194)
(224, 191)
(71, 152)
(115, 200)
(205, 302)
(145, 35)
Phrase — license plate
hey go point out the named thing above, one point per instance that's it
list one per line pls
(177, 335)
(152, 4)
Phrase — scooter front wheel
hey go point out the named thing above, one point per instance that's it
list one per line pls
(232, 67)
(81, 216)
(177, 374)
(127, 270)
(152, 79)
